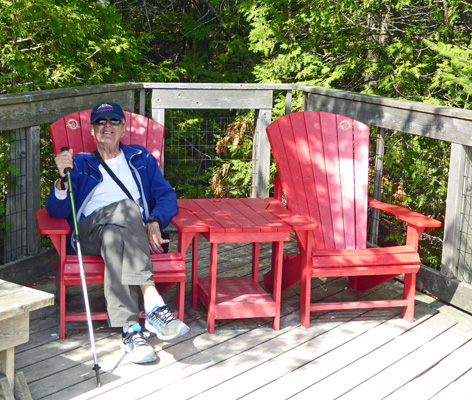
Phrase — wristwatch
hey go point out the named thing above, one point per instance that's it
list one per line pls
(152, 218)
(63, 179)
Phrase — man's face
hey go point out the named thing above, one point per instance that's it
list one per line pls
(108, 131)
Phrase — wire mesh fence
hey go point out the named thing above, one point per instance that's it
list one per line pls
(14, 243)
(208, 154)
(414, 174)
(464, 264)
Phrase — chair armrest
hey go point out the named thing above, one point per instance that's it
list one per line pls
(297, 222)
(406, 215)
(50, 225)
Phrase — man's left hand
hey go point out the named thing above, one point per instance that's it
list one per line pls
(155, 238)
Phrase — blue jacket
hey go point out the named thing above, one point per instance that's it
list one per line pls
(159, 198)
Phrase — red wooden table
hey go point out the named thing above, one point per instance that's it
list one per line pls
(232, 221)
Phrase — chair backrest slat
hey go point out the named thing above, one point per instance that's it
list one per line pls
(361, 148)
(73, 131)
(322, 159)
(314, 183)
(345, 140)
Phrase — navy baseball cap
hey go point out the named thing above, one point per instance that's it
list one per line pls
(111, 110)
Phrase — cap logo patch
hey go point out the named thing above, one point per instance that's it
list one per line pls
(105, 108)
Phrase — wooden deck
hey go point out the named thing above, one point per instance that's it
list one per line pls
(355, 354)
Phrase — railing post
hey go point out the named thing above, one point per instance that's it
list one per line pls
(15, 240)
(379, 153)
(142, 101)
(453, 222)
(159, 115)
(33, 189)
(261, 155)
(288, 102)
(306, 96)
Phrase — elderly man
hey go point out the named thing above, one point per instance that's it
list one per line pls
(122, 224)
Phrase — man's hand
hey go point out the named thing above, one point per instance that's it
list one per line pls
(63, 160)
(155, 238)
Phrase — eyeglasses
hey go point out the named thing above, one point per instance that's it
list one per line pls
(103, 121)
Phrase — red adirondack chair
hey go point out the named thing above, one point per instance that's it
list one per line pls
(322, 160)
(169, 268)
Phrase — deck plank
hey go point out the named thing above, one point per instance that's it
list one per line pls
(376, 361)
(342, 353)
(413, 365)
(206, 382)
(438, 378)
(371, 333)
(456, 389)
(195, 349)
(239, 375)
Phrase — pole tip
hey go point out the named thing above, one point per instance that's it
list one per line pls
(96, 368)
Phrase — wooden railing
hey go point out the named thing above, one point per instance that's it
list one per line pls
(24, 113)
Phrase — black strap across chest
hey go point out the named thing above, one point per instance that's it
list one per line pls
(111, 173)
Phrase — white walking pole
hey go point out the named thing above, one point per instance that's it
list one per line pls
(96, 367)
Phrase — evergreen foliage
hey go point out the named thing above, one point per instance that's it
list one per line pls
(416, 50)
(51, 44)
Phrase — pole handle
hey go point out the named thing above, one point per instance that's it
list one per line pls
(66, 170)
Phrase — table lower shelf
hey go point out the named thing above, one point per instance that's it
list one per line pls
(237, 298)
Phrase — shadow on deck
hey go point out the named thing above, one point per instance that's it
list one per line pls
(354, 354)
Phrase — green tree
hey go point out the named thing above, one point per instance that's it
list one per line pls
(203, 40)
(364, 46)
(453, 73)
(50, 44)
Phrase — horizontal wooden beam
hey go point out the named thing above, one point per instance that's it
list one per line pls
(438, 122)
(214, 99)
(429, 120)
(220, 86)
(44, 107)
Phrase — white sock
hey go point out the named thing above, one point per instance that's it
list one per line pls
(128, 328)
(159, 303)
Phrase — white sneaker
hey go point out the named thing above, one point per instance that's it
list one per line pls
(136, 345)
(164, 324)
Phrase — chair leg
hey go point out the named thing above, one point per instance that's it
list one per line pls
(277, 260)
(409, 289)
(195, 272)
(255, 262)
(305, 296)
(62, 310)
(212, 288)
(181, 299)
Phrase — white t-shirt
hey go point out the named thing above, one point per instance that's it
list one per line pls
(108, 191)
